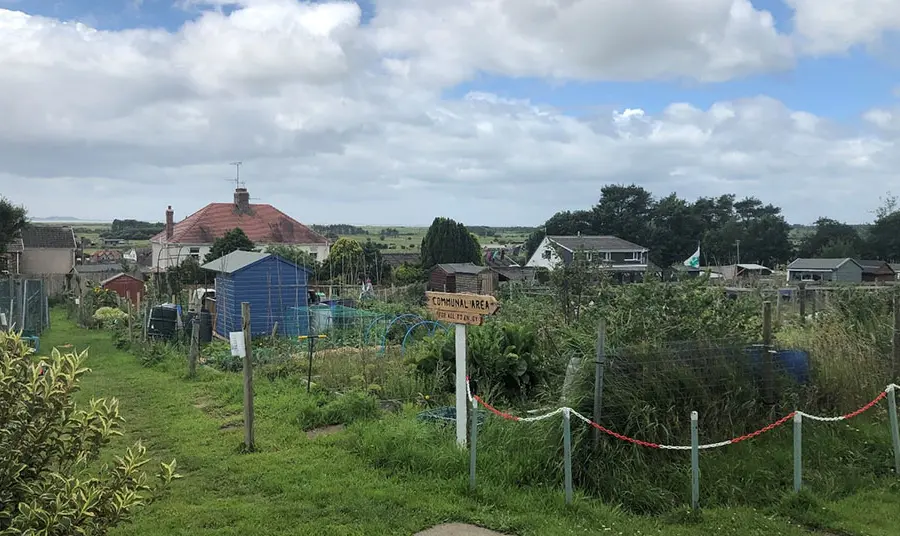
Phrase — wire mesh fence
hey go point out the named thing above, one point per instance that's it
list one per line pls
(24, 304)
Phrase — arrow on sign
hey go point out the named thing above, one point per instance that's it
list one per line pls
(479, 304)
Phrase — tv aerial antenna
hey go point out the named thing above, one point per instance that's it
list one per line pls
(237, 175)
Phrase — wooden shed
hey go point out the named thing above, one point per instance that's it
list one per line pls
(463, 277)
(276, 289)
(874, 271)
(124, 285)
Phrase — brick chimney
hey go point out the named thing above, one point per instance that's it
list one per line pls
(170, 223)
(242, 200)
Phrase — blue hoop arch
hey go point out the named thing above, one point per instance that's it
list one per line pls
(387, 329)
(377, 319)
(434, 326)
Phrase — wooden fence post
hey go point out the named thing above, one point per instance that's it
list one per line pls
(129, 311)
(801, 296)
(195, 347)
(248, 377)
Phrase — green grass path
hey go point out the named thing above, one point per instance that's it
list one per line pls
(295, 485)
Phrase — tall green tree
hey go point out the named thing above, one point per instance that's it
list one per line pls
(884, 237)
(829, 233)
(625, 212)
(234, 240)
(13, 218)
(449, 241)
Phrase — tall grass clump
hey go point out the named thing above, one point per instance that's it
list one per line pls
(850, 347)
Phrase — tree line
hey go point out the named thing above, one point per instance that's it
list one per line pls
(728, 229)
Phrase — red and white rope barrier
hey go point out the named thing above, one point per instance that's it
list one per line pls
(647, 444)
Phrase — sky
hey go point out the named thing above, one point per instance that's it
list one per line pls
(491, 112)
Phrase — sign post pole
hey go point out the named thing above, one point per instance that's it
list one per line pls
(461, 397)
(461, 310)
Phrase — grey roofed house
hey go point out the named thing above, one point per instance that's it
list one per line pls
(845, 270)
(822, 265)
(595, 243)
(234, 261)
(48, 237)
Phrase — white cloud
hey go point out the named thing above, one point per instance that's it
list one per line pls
(338, 121)
(709, 40)
(834, 26)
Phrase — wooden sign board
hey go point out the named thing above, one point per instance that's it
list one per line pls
(477, 304)
(454, 317)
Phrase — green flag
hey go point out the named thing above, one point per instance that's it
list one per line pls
(694, 260)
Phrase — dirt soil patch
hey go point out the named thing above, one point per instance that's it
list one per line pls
(458, 529)
(324, 431)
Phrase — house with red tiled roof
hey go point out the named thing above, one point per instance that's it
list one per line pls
(264, 224)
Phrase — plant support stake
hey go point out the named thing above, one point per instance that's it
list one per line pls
(598, 379)
(895, 432)
(798, 451)
(695, 462)
(567, 454)
(473, 433)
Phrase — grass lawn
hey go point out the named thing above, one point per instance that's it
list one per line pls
(296, 485)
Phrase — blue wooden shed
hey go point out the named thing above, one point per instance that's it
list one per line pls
(275, 288)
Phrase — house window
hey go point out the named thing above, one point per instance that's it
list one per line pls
(635, 257)
(547, 254)
(195, 253)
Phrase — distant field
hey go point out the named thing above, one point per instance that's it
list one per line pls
(409, 239)
(392, 238)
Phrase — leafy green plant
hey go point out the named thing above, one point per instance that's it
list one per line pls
(502, 357)
(331, 409)
(109, 316)
(49, 482)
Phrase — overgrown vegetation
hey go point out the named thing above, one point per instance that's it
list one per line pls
(51, 480)
(671, 348)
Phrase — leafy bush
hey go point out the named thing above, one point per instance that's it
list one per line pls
(502, 358)
(108, 316)
(49, 483)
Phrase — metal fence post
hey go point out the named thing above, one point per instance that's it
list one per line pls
(567, 454)
(473, 444)
(598, 379)
(798, 451)
(695, 462)
(895, 432)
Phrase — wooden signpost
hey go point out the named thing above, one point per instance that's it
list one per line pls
(461, 310)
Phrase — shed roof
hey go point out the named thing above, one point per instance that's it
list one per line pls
(113, 278)
(752, 266)
(820, 264)
(462, 268)
(47, 237)
(875, 266)
(98, 268)
(596, 243)
(235, 261)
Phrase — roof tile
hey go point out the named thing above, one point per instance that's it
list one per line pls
(48, 236)
(263, 224)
